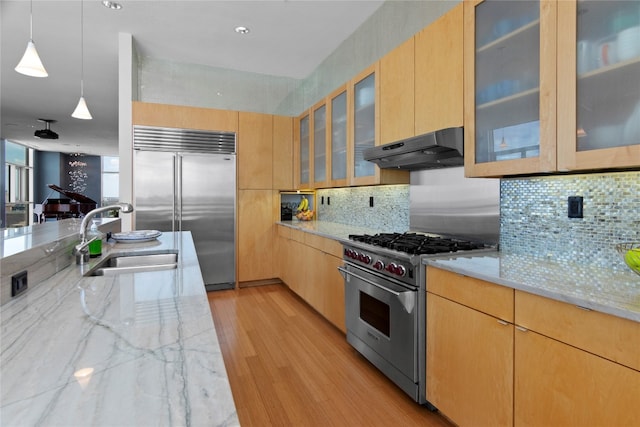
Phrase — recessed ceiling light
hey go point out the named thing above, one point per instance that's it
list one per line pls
(242, 30)
(111, 5)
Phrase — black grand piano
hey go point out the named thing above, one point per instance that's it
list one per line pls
(75, 205)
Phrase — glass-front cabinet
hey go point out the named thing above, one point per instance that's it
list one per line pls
(365, 126)
(331, 138)
(337, 129)
(510, 69)
(598, 84)
(302, 167)
(319, 143)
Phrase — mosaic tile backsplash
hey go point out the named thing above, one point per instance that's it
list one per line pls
(534, 217)
(350, 206)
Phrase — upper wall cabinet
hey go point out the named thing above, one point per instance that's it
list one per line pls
(523, 58)
(365, 131)
(255, 151)
(366, 125)
(439, 73)
(182, 117)
(338, 124)
(301, 146)
(598, 84)
(282, 153)
(319, 143)
(397, 89)
(510, 87)
(421, 81)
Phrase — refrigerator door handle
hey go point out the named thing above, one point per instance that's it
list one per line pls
(178, 183)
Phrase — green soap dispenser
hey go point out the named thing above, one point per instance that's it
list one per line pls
(95, 247)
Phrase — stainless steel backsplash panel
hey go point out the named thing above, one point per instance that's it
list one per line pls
(443, 201)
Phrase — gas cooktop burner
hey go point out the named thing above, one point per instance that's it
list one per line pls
(416, 244)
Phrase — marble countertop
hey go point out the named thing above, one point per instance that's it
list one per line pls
(16, 240)
(610, 291)
(331, 230)
(130, 349)
(615, 292)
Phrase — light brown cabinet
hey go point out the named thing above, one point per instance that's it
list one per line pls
(548, 87)
(581, 366)
(397, 87)
(310, 269)
(469, 349)
(439, 73)
(282, 153)
(510, 87)
(318, 146)
(598, 89)
(421, 81)
(302, 152)
(496, 356)
(255, 151)
(182, 117)
(255, 222)
(362, 123)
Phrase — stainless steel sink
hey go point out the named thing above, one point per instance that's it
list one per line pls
(135, 262)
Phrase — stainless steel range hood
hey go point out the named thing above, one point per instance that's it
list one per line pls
(439, 149)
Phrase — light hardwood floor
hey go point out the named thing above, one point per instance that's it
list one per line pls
(288, 366)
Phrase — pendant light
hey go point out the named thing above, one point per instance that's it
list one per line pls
(81, 111)
(30, 64)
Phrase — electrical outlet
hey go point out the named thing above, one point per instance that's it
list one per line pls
(328, 200)
(370, 201)
(18, 283)
(322, 200)
(575, 207)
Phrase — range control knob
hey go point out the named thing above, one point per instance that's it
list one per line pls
(364, 258)
(378, 265)
(401, 271)
(391, 268)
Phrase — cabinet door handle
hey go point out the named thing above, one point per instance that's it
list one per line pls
(521, 329)
(502, 322)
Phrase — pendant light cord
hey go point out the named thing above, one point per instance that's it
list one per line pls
(81, 48)
(31, 20)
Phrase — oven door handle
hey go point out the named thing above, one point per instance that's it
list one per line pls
(407, 299)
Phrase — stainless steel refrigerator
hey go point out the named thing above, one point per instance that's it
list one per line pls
(185, 180)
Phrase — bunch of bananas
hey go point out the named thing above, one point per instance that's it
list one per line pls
(302, 211)
(304, 205)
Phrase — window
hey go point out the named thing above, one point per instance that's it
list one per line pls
(110, 180)
(18, 191)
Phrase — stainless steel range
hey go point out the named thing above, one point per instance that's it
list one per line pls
(385, 301)
(385, 295)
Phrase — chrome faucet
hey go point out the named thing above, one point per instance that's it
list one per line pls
(81, 250)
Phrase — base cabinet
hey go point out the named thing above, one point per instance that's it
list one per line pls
(255, 235)
(308, 265)
(469, 352)
(499, 357)
(560, 385)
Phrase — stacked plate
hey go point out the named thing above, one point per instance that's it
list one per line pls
(628, 43)
(136, 236)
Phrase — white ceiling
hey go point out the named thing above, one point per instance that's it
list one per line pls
(288, 38)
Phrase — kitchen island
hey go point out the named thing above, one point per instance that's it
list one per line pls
(128, 349)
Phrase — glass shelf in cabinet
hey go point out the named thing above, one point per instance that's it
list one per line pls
(511, 37)
(520, 96)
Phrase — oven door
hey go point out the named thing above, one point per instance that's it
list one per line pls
(381, 317)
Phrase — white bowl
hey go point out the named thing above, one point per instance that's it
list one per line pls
(628, 44)
(631, 133)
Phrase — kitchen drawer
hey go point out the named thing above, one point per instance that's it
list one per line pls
(486, 297)
(611, 337)
(297, 235)
(284, 232)
(324, 244)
